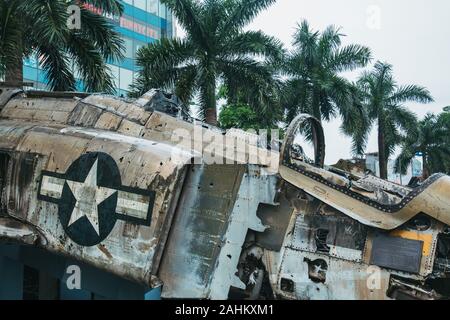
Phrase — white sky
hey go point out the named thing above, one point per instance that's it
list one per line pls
(412, 35)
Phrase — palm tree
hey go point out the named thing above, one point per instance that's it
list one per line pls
(215, 50)
(41, 27)
(432, 141)
(315, 85)
(384, 99)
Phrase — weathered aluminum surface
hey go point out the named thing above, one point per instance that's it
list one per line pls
(6, 94)
(343, 280)
(44, 135)
(257, 187)
(129, 118)
(345, 237)
(217, 208)
(340, 280)
(130, 249)
(200, 222)
(12, 231)
(277, 217)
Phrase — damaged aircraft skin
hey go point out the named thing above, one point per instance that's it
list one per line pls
(105, 181)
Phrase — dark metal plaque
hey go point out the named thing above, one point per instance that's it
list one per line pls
(397, 253)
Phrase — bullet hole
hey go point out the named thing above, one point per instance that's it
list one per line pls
(229, 256)
(317, 270)
(121, 159)
(160, 163)
(287, 285)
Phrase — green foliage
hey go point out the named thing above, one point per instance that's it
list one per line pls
(215, 50)
(432, 139)
(40, 27)
(383, 100)
(315, 85)
(313, 67)
(243, 116)
(239, 116)
(260, 107)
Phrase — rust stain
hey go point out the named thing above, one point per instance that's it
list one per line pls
(105, 251)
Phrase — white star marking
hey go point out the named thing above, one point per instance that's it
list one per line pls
(88, 196)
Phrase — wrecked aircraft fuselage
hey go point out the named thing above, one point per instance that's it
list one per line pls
(137, 188)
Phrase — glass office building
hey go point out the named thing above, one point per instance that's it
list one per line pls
(143, 22)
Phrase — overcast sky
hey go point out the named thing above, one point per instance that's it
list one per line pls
(412, 35)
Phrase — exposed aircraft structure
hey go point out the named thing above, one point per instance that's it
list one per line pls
(140, 189)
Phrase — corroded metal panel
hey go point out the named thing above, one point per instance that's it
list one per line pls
(121, 229)
(320, 277)
(11, 133)
(217, 208)
(257, 187)
(128, 118)
(196, 236)
(333, 234)
(35, 109)
(6, 94)
(12, 231)
(121, 106)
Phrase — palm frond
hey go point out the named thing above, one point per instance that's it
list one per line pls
(349, 58)
(305, 42)
(255, 43)
(57, 68)
(92, 67)
(186, 83)
(49, 19)
(404, 159)
(11, 36)
(243, 12)
(404, 118)
(165, 54)
(188, 14)
(329, 41)
(100, 32)
(355, 119)
(411, 93)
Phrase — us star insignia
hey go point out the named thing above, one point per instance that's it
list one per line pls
(91, 198)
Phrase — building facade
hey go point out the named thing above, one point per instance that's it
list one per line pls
(143, 22)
